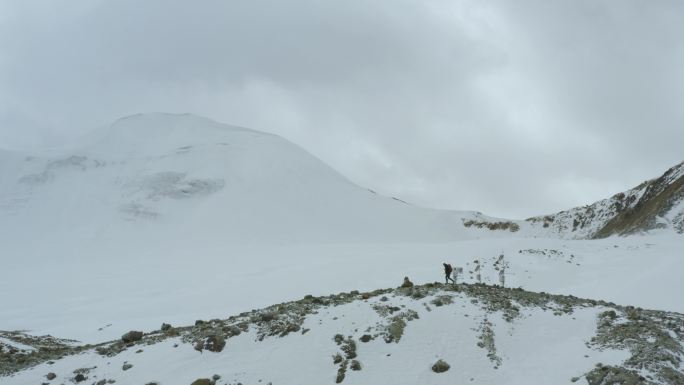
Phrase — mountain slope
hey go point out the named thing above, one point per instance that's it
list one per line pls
(169, 181)
(654, 204)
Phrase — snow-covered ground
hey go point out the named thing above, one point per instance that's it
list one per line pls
(166, 218)
(113, 290)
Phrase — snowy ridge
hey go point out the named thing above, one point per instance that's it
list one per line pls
(654, 204)
(430, 334)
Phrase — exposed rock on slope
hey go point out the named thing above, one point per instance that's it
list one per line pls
(654, 204)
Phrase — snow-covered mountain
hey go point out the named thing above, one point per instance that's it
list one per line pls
(654, 204)
(163, 179)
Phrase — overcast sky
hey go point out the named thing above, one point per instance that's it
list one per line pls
(513, 108)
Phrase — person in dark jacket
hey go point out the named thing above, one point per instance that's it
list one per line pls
(447, 272)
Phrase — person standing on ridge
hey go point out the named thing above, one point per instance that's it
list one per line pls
(447, 272)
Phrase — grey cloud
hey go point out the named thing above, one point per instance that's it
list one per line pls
(510, 108)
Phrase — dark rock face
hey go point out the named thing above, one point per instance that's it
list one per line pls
(80, 378)
(214, 343)
(132, 336)
(201, 381)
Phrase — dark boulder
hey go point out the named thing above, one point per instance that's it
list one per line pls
(132, 336)
(440, 367)
(407, 282)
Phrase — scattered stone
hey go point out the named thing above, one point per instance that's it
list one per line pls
(215, 343)
(80, 378)
(132, 336)
(101, 382)
(201, 381)
(215, 377)
(51, 376)
(341, 372)
(355, 365)
(613, 375)
(349, 348)
(440, 367)
(126, 366)
(165, 327)
(232, 330)
(268, 316)
(366, 338)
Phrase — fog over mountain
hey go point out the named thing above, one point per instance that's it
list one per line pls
(510, 108)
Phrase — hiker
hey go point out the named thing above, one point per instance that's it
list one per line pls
(447, 272)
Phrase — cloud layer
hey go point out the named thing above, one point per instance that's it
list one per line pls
(510, 108)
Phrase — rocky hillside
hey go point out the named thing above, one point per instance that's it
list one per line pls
(429, 334)
(654, 204)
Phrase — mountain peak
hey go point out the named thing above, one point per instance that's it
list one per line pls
(152, 133)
